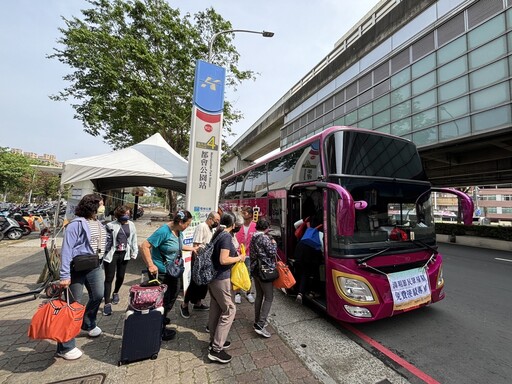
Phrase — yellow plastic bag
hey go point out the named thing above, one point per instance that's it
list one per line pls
(240, 277)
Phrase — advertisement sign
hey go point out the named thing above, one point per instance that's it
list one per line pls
(409, 288)
(203, 185)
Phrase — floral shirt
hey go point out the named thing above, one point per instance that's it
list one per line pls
(262, 248)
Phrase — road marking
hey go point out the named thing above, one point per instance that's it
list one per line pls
(397, 359)
(497, 258)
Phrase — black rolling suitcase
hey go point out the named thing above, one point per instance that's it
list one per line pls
(143, 325)
(142, 335)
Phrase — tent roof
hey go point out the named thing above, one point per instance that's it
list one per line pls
(151, 162)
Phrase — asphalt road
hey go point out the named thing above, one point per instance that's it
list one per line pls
(467, 337)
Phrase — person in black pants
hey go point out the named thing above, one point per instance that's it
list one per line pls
(162, 247)
(196, 293)
(122, 247)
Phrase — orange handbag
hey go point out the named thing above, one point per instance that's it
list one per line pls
(57, 320)
(285, 279)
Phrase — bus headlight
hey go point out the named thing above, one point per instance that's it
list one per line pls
(355, 289)
(440, 278)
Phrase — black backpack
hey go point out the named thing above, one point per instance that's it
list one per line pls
(203, 270)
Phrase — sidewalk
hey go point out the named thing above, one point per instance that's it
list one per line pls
(183, 360)
(304, 348)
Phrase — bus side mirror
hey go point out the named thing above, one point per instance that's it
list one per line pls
(360, 205)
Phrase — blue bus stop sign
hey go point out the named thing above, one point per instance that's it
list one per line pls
(209, 87)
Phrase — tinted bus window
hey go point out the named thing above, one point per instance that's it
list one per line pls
(232, 189)
(363, 154)
(280, 171)
(256, 182)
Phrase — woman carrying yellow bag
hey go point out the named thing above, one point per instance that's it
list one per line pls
(240, 274)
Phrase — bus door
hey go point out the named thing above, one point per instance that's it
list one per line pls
(306, 205)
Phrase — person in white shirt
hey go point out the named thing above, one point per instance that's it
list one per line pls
(196, 293)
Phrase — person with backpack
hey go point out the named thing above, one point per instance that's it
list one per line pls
(222, 308)
(196, 293)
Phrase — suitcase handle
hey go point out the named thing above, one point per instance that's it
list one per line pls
(152, 278)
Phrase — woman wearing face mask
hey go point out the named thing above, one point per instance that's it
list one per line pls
(123, 247)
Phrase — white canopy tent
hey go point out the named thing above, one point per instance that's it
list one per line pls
(151, 162)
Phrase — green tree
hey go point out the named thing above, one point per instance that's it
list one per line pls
(133, 67)
(13, 169)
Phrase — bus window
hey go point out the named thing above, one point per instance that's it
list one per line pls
(280, 171)
(232, 190)
(256, 182)
(276, 220)
(308, 166)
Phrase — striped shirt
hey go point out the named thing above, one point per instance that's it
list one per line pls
(98, 236)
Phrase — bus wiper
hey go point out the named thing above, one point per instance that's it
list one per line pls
(426, 245)
(366, 258)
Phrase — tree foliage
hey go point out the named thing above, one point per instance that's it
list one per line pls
(133, 64)
(13, 168)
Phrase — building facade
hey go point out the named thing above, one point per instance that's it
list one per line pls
(442, 75)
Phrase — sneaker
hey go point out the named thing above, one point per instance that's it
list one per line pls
(73, 354)
(115, 298)
(250, 298)
(107, 309)
(95, 332)
(261, 331)
(201, 307)
(298, 299)
(238, 299)
(184, 312)
(168, 334)
(226, 345)
(221, 356)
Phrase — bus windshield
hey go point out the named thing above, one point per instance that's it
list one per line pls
(365, 154)
(395, 212)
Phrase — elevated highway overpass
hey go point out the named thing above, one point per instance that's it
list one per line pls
(460, 146)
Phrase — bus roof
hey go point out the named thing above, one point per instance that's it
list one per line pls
(305, 142)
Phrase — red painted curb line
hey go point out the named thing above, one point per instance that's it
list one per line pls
(393, 356)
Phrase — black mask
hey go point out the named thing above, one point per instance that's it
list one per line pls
(236, 229)
(214, 225)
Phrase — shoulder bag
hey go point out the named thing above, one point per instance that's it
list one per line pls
(265, 272)
(285, 279)
(88, 262)
(177, 267)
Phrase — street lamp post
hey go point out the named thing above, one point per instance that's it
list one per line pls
(203, 181)
(215, 35)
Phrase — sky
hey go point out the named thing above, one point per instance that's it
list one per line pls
(305, 32)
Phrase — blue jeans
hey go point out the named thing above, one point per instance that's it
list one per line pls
(94, 282)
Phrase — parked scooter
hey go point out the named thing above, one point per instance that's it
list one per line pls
(24, 225)
(10, 228)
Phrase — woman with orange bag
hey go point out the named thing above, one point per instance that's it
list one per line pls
(263, 251)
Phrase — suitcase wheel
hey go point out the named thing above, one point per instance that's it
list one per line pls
(154, 356)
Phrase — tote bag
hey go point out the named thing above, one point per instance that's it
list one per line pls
(285, 279)
(57, 320)
(240, 276)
